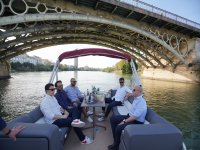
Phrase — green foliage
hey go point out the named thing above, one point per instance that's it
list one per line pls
(108, 69)
(119, 65)
(126, 69)
(125, 66)
(47, 67)
(30, 67)
(63, 67)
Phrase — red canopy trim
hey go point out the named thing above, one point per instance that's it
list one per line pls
(94, 51)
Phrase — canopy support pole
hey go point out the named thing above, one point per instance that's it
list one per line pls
(135, 79)
(54, 72)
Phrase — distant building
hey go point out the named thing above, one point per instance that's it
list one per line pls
(24, 58)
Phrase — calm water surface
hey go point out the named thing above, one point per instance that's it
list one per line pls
(177, 102)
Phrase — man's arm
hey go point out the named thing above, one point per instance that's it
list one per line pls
(60, 117)
(129, 119)
(10, 132)
(128, 90)
(79, 93)
(2, 124)
(128, 95)
(65, 115)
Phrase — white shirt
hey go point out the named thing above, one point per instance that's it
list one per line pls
(50, 107)
(121, 93)
(139, 108)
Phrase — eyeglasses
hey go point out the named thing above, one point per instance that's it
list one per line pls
(51, 89)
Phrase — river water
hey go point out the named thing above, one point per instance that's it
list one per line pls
(179, 103)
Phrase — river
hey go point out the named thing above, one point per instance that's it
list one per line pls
(179, 103)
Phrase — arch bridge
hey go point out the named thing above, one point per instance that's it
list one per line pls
(160, 41)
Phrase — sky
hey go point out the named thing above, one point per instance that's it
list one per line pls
(189, 9)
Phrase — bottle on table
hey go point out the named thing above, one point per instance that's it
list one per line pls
(88, 93)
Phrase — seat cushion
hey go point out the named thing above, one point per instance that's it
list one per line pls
(23, 118)
(41, 121)
(122, 110)
(64, 133)
(35, 114)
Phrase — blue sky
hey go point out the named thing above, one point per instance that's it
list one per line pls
(189, 9)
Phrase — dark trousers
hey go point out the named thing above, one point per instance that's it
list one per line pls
(80, 109)
(117, 129)
(112, 103)
(67, 123)
(108, 101)
(74, 113)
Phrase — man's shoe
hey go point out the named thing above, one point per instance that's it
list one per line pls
(89, 113)
(90, 120)
(112, 147)
(101, 119)
(77, 123)
(87, 140)
(101, 114)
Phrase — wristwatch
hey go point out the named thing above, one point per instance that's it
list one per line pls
(9, 131)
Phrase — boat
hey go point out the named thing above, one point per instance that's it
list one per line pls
(135, 79)
(157, 133)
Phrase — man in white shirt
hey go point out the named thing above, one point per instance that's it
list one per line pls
(136, 115)
(55, 114)
(117, 100)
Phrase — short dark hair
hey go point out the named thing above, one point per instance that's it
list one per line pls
(121, 79)
(47, 86)
(57, 83)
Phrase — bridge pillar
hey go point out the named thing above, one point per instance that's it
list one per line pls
(4, 70)
(181, 73)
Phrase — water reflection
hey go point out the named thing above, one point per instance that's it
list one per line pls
(180, 104)
(177, 102)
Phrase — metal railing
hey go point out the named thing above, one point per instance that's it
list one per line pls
(151, 8)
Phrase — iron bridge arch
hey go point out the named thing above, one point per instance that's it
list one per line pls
(26, 25)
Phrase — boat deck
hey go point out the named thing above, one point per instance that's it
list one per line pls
(102, 139)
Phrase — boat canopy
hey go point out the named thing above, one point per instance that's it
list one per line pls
(135, 80)
(94, 51)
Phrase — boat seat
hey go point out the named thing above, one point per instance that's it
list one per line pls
(157, 133)
(40, 121)
(37, 134)
(123, 110)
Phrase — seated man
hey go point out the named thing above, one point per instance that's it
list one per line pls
(55, 114)
(136, 115)
(117, 100)
(74, 93)
(75, 96)
(64, 101)
(11, 133)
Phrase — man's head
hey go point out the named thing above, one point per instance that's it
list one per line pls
(121, 81)
(73, 82)
(137, 90)
(49, 88)
(59, 85)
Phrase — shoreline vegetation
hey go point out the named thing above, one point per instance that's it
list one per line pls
(122, 66)
(26, 67)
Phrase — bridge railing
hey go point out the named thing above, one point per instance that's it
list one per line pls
(151, 8)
